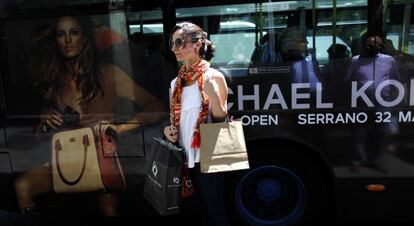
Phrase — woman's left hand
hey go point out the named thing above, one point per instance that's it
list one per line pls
(211, 87)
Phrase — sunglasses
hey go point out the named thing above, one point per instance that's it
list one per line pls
(177, 43)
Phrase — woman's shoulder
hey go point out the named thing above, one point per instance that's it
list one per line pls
(108, 67)
(107, 71)
(111, 73)
(111, 70)
(174, 81)
(214, 73)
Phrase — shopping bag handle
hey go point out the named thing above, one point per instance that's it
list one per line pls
(229, 118)
(58, 149)
(167, 144)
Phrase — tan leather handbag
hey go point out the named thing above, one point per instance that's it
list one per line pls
(81, 163)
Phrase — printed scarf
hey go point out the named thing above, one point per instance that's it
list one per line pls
(187, 74)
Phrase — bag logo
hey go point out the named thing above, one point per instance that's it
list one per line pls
(176, 180)
(154, 168)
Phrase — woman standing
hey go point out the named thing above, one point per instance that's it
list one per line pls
(74, 82)
(198, 95)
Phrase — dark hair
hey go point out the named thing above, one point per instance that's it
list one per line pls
(194, 32)
(373, 44)
(53, 66)
(378, 40)
(341, 51)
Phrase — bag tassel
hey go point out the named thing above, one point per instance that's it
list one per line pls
(187, 187)
(196, 140)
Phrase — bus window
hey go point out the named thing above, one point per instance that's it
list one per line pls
(146, 22)
(323, 44)
(400, 37)
(242, 29)
(400, 25)
(146, 28)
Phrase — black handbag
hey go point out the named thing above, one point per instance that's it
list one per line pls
(164, 168)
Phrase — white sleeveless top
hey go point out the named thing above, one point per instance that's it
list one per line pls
(190, 109)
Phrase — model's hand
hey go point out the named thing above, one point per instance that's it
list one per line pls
(104, 126)
(171, 133)
(211, 88)
(53, 119)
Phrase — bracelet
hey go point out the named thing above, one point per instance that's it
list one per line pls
(44, 128)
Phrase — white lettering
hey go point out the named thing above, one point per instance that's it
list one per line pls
(319, 103)
(330, 118)
(230, 104)
(412, 92)
(255, 119)
(362, 117)
(404, 117)
(360, 93)
(296, 95)
(301, 96)
(302, 119)
(320, 119)
(274, 120)
(397, 100)
(254, 97)
(262, 120)
(311, 119)
(280, 99)
(340, 119)
(350, 118)
(245, 120)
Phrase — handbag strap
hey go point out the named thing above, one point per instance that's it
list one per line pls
(58, 148)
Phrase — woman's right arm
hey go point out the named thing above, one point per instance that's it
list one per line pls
(170, 132)
(152, 108)
(52, 118)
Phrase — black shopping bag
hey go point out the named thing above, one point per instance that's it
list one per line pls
(164, 167)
